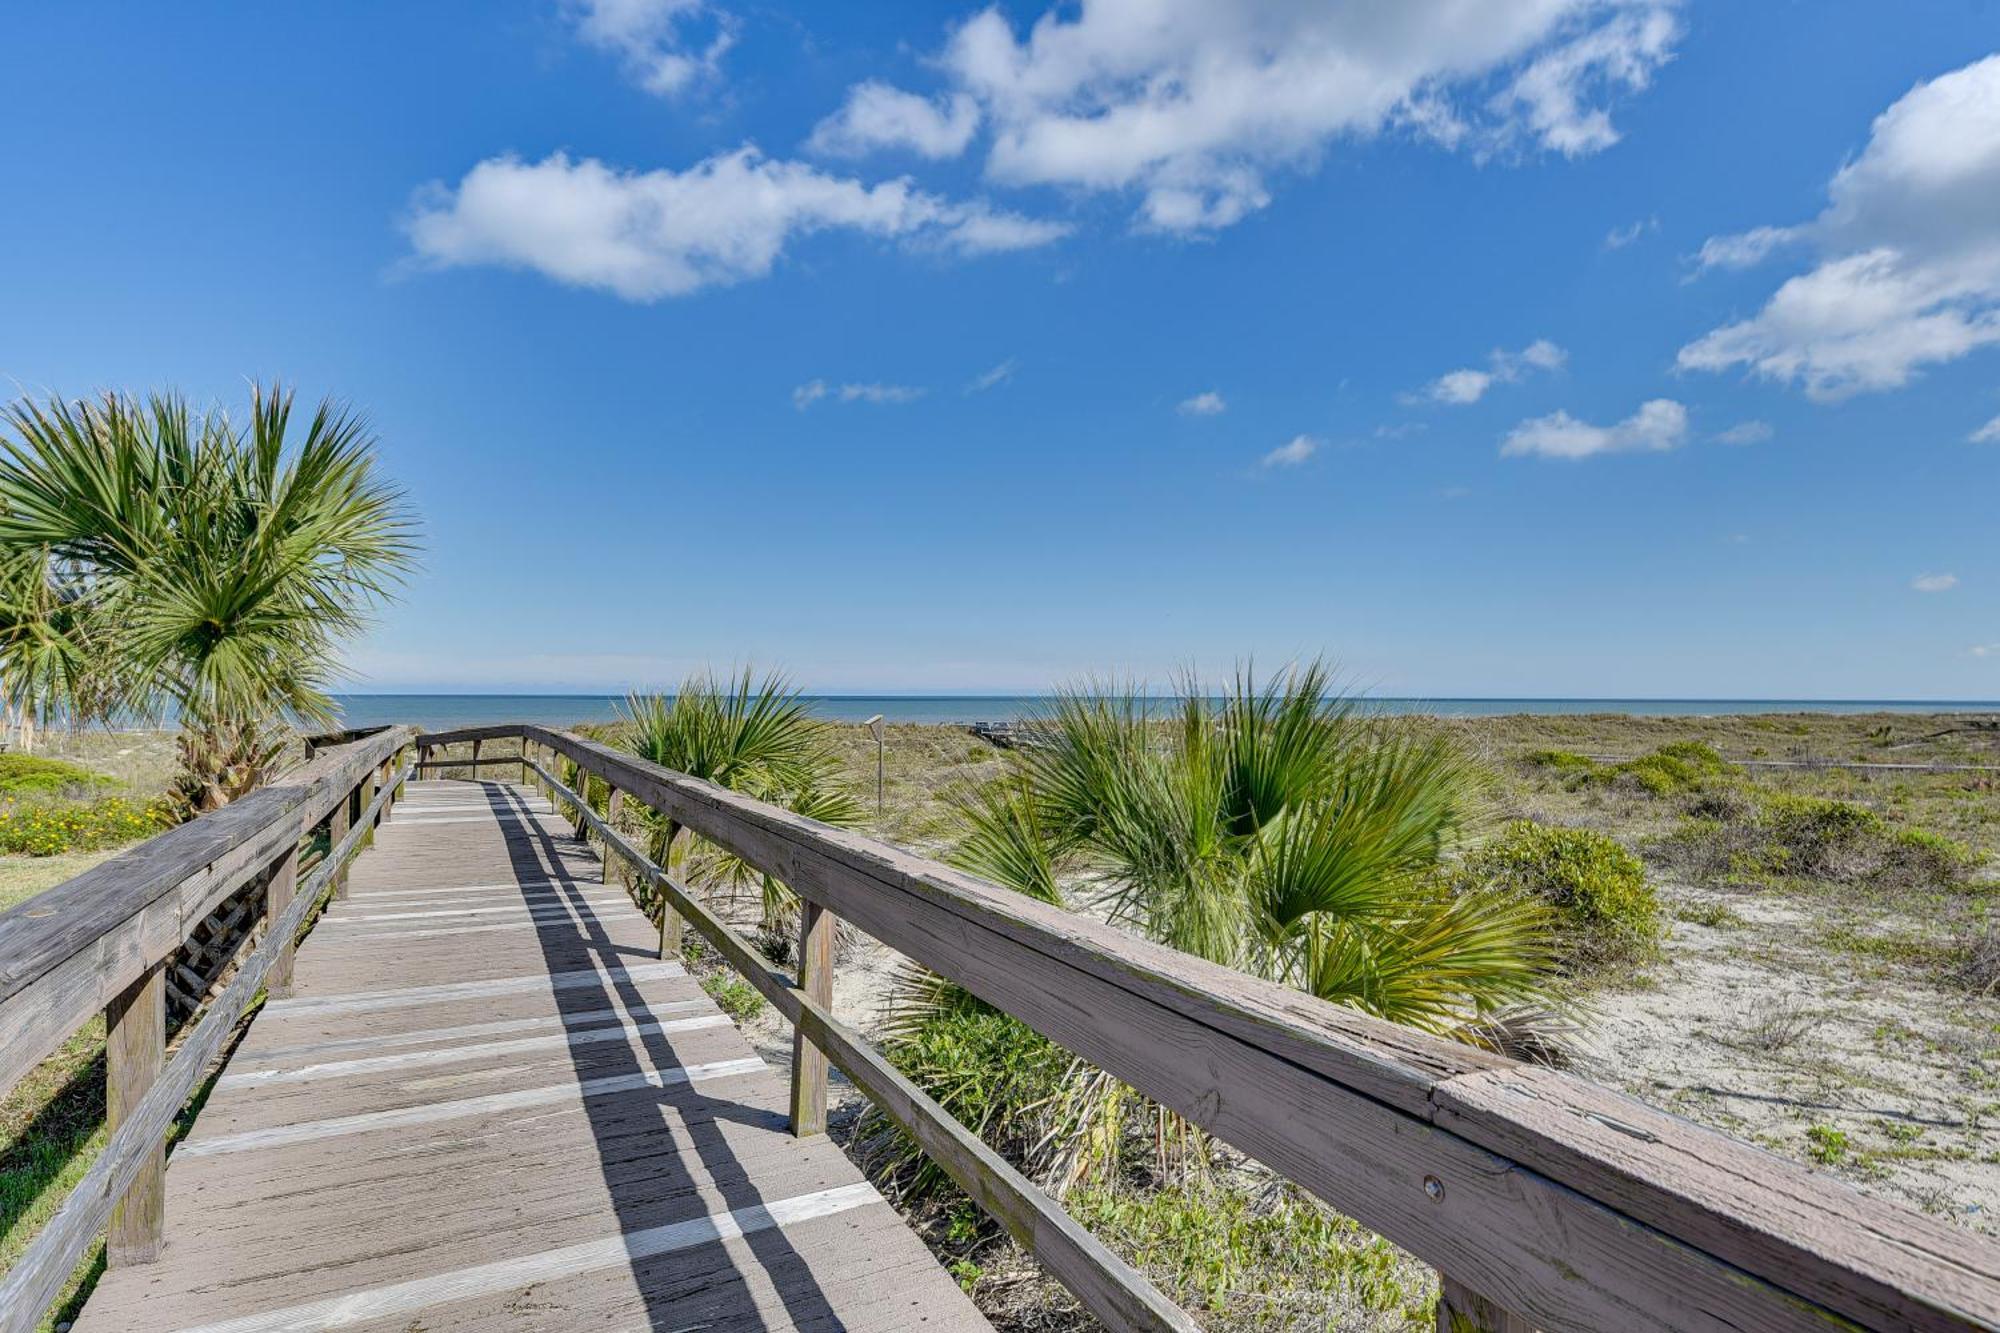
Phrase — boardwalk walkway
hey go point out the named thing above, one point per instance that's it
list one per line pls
(487, 1104)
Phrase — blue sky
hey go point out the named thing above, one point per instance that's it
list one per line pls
(1568, 347)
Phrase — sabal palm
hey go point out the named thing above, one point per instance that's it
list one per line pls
(1278, 830)
(752, 736)
(210, 568)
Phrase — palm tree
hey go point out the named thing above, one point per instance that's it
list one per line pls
(200, 568)
(757, 737)
(1276, 829)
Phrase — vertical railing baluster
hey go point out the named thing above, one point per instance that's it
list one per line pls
(277, 897)
(612, 805)
(134, 1052)
(816, 980)
(337, 824)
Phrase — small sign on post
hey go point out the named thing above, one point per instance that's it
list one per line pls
(876, 725)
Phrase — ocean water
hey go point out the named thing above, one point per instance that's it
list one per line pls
(445, 711)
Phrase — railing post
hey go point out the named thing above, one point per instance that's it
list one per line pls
(524, 761)
(277, 897)
(670, 928)
(364, 795)
(134, 1051)
(816, 980)
(475, 761)
(1463, 1310)
(337, 824)
(612, 806)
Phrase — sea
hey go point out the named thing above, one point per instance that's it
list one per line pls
(442, 712)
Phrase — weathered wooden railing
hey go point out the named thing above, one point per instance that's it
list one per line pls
(1546, 1201)
(102, 942)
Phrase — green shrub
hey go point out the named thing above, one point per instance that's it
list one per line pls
(991, 1072)
(1562, 761)
(1602, 908)
(1253, 1260)
(1779, 835)
(35, 829)
(34, 775)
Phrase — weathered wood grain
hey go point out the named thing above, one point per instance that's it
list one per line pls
(32, 1284)
(1120, 1296)
(1346, 1107)
(547, 1130)
(135, 1049)
(66, 952)
(816, 980)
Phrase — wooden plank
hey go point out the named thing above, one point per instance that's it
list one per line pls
(816, 926)
(278, 898)
(1344, 1105)
(134, 1050)
(613, 805)
(512, 1157)
(1463, 1310)
(1120, 1296)
(66, 952)
(32, 1284)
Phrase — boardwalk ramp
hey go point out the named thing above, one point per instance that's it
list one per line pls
(487, 1103)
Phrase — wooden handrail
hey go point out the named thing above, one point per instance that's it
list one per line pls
(1120, 1296)
(69, 951)
(1561, 1204)
(103, 940)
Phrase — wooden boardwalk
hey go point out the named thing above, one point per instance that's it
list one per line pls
(487, 1104)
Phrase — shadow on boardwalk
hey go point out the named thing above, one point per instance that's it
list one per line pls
(665, 1152)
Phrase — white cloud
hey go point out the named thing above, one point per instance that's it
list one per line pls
(1745, 432)
(1459, 387)
(653, 234)
(1745, 249)
(1192, 105)
(1987, 434)
(1986, 650)
(878, 116)
(1934, 582)
(1658, 425)
(1908, 253)
(812, 391)
(1620, 237)
(995, 377)
(1209, 404)
(1292, 453)
(667, 45)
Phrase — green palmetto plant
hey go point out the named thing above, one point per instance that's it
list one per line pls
(754, 736)
(194, 566)
(1277, 829)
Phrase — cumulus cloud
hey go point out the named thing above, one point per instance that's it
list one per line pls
(1907, 262)
(1192, 106)
(995, 377)
(1987, 434)
(812, 391)
(1745, 432)
(667, 45)
(1210, 404)
(1469, 385)
(877, 116)
(645, 235)
(1292, 453)
(1934, 582)
(1658, 425)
